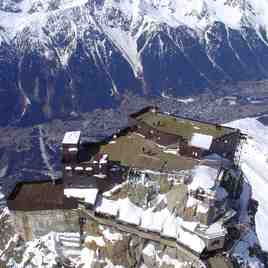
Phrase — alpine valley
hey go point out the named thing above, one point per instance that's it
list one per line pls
(64, 57)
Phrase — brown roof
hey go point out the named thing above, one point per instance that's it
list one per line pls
(39, 195)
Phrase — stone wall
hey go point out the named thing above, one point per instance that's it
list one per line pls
(33, 224)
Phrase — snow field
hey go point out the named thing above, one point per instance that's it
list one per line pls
(254, 165)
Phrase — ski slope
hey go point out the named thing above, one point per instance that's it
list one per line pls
(254, 163)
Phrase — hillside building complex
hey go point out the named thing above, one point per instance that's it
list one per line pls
(173, 177)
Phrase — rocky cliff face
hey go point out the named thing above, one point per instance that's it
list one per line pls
(103, 247)
(65, 57)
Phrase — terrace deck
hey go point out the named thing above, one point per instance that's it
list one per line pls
(182, 127)
(133, 150)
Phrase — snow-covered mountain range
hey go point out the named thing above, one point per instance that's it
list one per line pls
(63, 56)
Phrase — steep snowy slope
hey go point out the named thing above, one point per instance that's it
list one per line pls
(254, 163)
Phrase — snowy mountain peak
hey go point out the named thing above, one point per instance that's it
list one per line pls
(193, 13)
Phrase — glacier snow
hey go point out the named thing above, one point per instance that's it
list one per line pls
(254, 163)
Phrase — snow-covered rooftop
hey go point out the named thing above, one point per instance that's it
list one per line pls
(78, 168)
(129, 212)
(189, 225)
(153, 221)
(171, 226)
(107, 206)
(191, 240)
(215, 229)
(203, 177)
(73, 149)
(201, 141)
(89, 194)
(71, 137)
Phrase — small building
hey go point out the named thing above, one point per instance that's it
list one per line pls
(213, 236)
(40, 207)
(70, 146)
(208, 192)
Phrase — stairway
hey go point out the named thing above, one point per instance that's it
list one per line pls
(69, 244)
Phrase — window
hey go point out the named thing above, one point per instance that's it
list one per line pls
(215, 243)
(68, 171)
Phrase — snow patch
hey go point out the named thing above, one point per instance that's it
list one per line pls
(97, 239)
(89, 194)
(149, 250)
(4, 213)
(171, 226)
(191, 240)
(170, 261)
(107, 207)
(153, 221)
(114, 189)
(201, 141)
(87, 257)
(127, 44)
(108, 235)
(204, 177)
